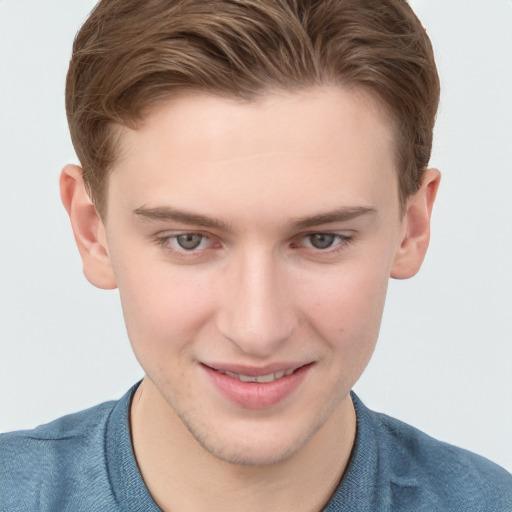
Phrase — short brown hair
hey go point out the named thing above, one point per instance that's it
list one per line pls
(130, 54)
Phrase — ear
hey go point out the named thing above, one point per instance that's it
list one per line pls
(415, 235)
(88, 228)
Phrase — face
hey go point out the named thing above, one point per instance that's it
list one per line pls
(252, 244)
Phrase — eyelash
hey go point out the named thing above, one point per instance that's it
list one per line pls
(167, 243)
(340, 244)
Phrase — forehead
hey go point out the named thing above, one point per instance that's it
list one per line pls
(326, 143)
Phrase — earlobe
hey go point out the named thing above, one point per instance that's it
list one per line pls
(414, 241)
(88, 229)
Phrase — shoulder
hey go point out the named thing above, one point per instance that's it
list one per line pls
(57, 436)
(50, 460)
(448, 476)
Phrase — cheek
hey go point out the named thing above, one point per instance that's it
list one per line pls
(163, 308)
(346, 306)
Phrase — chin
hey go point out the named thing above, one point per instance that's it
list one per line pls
(252, 443)
(251, 452)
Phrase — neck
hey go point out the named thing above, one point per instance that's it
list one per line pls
(181, 475)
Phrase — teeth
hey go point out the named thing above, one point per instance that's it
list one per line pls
(259, 378)
(247, 378)
(267, 378)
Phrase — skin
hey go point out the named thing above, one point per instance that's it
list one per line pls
(253, 183)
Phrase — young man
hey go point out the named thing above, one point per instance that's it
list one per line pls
(253, 172)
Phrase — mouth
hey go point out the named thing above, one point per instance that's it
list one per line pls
(270, 377)
(257, 387)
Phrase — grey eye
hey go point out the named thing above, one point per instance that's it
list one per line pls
(189, 241)
(321, 240)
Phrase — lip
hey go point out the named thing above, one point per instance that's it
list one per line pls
(256, 395)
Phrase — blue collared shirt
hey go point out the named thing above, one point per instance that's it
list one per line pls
(85, 462)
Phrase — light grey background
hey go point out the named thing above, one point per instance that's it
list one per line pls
(444, 359)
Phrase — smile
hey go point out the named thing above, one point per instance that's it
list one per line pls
(257, 388)
(259, 378)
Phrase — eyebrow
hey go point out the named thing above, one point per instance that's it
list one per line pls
(172, 214)
(340, 215)
(168, 213)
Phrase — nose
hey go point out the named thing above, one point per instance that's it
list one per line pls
(257, 312)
